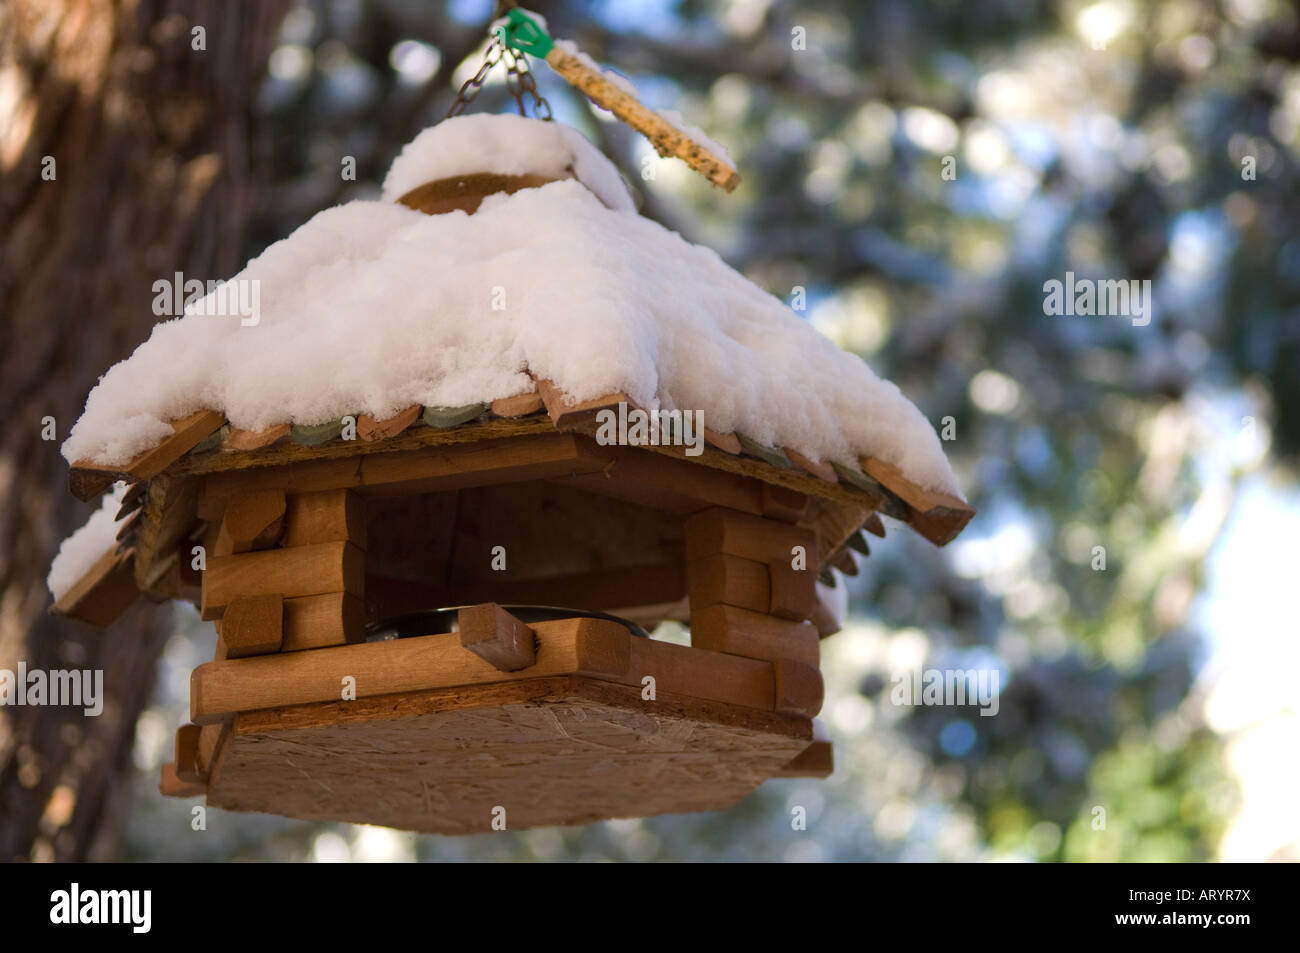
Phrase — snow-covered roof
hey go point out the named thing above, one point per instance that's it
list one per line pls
(371, 307)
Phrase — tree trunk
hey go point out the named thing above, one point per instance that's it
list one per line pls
(126, 154)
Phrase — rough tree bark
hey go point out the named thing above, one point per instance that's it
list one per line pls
(158, 158)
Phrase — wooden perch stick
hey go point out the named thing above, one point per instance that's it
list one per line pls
(667, 139)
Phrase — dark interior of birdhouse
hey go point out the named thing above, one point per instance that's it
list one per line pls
(536, 543)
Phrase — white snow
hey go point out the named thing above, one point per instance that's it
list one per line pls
(80, 551)
(371, 307)
(506, 145)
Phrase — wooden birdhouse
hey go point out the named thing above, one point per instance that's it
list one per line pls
(442, 617)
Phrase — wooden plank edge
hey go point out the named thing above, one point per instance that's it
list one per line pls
(519, 405)
(568, 414)
(936, 516)
(371, 430)
(86, 478)
(103, 592)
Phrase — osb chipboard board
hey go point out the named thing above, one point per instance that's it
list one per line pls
(566, 750)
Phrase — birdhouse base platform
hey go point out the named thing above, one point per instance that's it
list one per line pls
(600, 725)
(566, 750)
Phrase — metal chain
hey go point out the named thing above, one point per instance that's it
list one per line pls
(471, 87)
(520, 82)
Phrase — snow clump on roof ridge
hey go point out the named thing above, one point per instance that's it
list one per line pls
(505, 145)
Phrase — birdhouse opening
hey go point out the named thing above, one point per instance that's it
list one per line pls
(532, 543)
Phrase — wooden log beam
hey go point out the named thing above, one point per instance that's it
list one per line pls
(749, 564)
(593, 647)
(587, 646)
(792, 592)
(325, 516)
(695, 673)
(799, 688)
(314, 622)
(325, 474)
(301, 571)
(723, 628)
(252, 625)
(719, 530)
(253, 520)
(722, 579)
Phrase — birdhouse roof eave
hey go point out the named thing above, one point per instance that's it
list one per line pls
(203, 444)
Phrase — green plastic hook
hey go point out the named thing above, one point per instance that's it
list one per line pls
(523, 33)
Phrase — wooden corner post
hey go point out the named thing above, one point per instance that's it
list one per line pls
(287, 572)
(752, 585)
